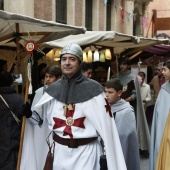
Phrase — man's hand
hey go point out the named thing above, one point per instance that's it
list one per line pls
(26, 110)
(144, 101)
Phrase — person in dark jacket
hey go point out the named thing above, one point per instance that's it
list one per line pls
(9, 128)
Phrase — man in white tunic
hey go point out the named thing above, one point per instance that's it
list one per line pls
(77, 113)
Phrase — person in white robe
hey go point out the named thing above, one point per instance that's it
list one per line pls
(77, 112)
(125, 122)
(161, 111)
(145, 90)
(32, 147)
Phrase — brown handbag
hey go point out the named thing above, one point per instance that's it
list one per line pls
(50, 156)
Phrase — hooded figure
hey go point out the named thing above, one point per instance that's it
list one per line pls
(125, 122)
(159, 154)
(131, 94)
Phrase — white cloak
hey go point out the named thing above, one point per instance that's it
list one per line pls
(97, 121)
(126, 126)
(142, 126)
(161, 110)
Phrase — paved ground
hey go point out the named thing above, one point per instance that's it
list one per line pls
(144, 163)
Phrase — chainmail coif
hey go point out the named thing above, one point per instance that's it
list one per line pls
(74, 90)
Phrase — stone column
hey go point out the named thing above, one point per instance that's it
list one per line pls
(95, 16)
(71, 12)
(23, 7)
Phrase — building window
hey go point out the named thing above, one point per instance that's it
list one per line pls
(61, 11)
(88, 14)
(108, 16)
(1, 4)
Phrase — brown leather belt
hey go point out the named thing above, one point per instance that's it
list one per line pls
(72, 143)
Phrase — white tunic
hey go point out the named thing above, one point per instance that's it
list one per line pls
(96, 121)
(145, 93)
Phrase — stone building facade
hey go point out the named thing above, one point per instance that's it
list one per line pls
(162, 10)
(117, 15)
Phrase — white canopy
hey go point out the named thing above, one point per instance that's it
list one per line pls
(17, 29)
(15, 25)
(120, 42)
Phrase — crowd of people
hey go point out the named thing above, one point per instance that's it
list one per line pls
(72, 116)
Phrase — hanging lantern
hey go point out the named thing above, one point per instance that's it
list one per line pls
(108, 54)
(50, 54)
(85, 57)
(90, 56)
(96, 55)
(57, 54)
(102, 57)
(56, 59)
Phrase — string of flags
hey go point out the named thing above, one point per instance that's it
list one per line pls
(127, 15)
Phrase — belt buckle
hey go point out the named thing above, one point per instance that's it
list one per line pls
(73, 143)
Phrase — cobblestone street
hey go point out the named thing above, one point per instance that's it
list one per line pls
(144, 163)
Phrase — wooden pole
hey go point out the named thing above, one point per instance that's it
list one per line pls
(117, 65)
(18, 46)
(151, 21)
(22, 129)
(108, 74)
(136, 54)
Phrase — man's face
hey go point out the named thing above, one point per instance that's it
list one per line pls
(166, 73)
(112, 95)
(159, 71)
(88, 73)
(123, 67)
(69, 65)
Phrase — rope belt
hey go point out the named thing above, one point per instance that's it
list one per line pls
(72, 143)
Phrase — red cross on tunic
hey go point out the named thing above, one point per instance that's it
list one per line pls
(108, 108)
(79, 122)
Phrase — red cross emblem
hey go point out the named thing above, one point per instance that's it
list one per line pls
(79, 122)
(108, 108)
